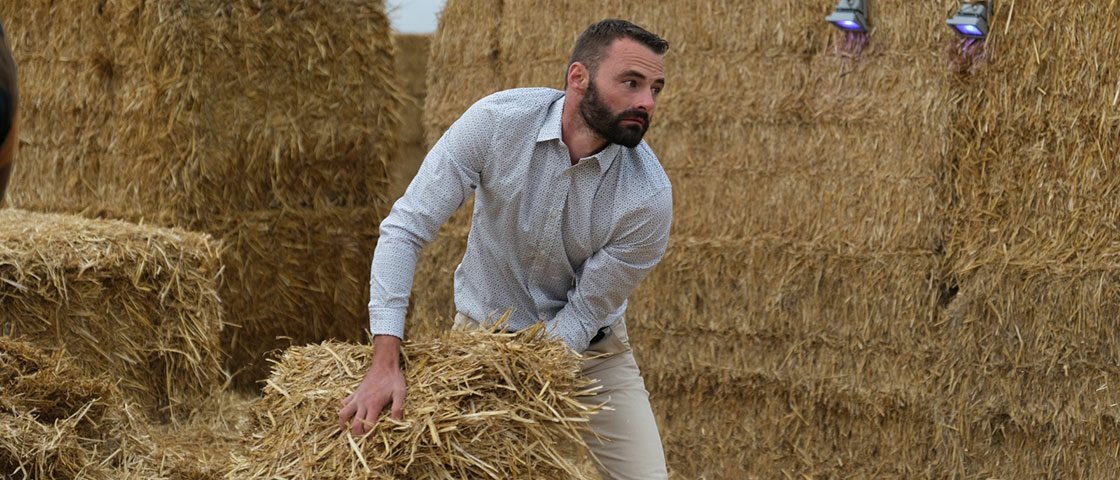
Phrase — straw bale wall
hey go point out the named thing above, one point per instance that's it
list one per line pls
(139, 302)
(270, 125)
(1032, 244)
(463, 65)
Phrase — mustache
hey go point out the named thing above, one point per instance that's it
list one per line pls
(634, 114)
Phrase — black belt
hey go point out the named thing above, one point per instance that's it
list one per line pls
(600, 334)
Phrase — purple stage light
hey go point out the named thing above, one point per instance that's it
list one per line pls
(969, 30)
(971, 20)
(850, 15)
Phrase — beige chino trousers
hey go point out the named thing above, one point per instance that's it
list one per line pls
(628, 446)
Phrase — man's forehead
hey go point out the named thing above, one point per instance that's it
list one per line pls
(627, 54)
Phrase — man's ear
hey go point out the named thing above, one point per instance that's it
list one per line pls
(578, 77)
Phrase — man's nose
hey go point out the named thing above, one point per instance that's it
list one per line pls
(645, 101)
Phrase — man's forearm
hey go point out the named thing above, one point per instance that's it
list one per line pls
(386, 352)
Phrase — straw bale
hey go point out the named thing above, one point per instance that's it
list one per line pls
(1037, 347)
(412, 68)
(1035, 145)
(294, 277)
(65, 79)
(734, 300)
(60, 421)
(463, 64)
(823, 427)
(52, 415)
(138, 302)
(198, 448)
(257, 106)
(480, 405)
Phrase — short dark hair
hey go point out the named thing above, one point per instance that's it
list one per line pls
(592, 44)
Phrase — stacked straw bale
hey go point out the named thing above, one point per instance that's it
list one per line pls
(138, 302)
(270, 123)
(52, 415)
(59, 421)
(206, 108)
(412, 69)
(480, 405)
(1033, 243)
(293, 276)
(200, 447)
(459, 77)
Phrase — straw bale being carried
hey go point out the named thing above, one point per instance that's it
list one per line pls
(480, 405)
(53, 415)
(138, 302)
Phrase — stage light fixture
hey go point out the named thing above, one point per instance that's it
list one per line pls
(850, 15)
(971, 20)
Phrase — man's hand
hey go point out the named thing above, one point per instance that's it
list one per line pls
(383, 384)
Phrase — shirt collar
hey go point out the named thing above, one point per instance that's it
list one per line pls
(550, 130)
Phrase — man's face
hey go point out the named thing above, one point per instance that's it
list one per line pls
(621, 95)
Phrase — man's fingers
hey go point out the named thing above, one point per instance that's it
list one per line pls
(357, 427)
(345, 413)
(397, 411)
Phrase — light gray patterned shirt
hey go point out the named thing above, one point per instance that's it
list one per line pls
(560, 243)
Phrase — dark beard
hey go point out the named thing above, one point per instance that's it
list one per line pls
(608, 125)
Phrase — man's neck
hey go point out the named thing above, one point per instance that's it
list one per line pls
(581, 141)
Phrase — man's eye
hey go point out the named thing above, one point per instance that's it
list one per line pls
(656, 90)
(631, 83)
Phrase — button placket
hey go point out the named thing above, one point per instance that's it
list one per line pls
(550, 227)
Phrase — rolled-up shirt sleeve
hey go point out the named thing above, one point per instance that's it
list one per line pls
(446, 179)
(611, 274)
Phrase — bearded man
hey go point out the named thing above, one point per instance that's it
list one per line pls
(572, 210)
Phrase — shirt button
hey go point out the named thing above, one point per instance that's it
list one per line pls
(554, 213)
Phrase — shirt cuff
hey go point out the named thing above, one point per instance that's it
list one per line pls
(570, 331)
(386, 321)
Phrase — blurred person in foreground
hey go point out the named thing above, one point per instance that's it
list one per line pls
(572, 210)
(8, 120)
